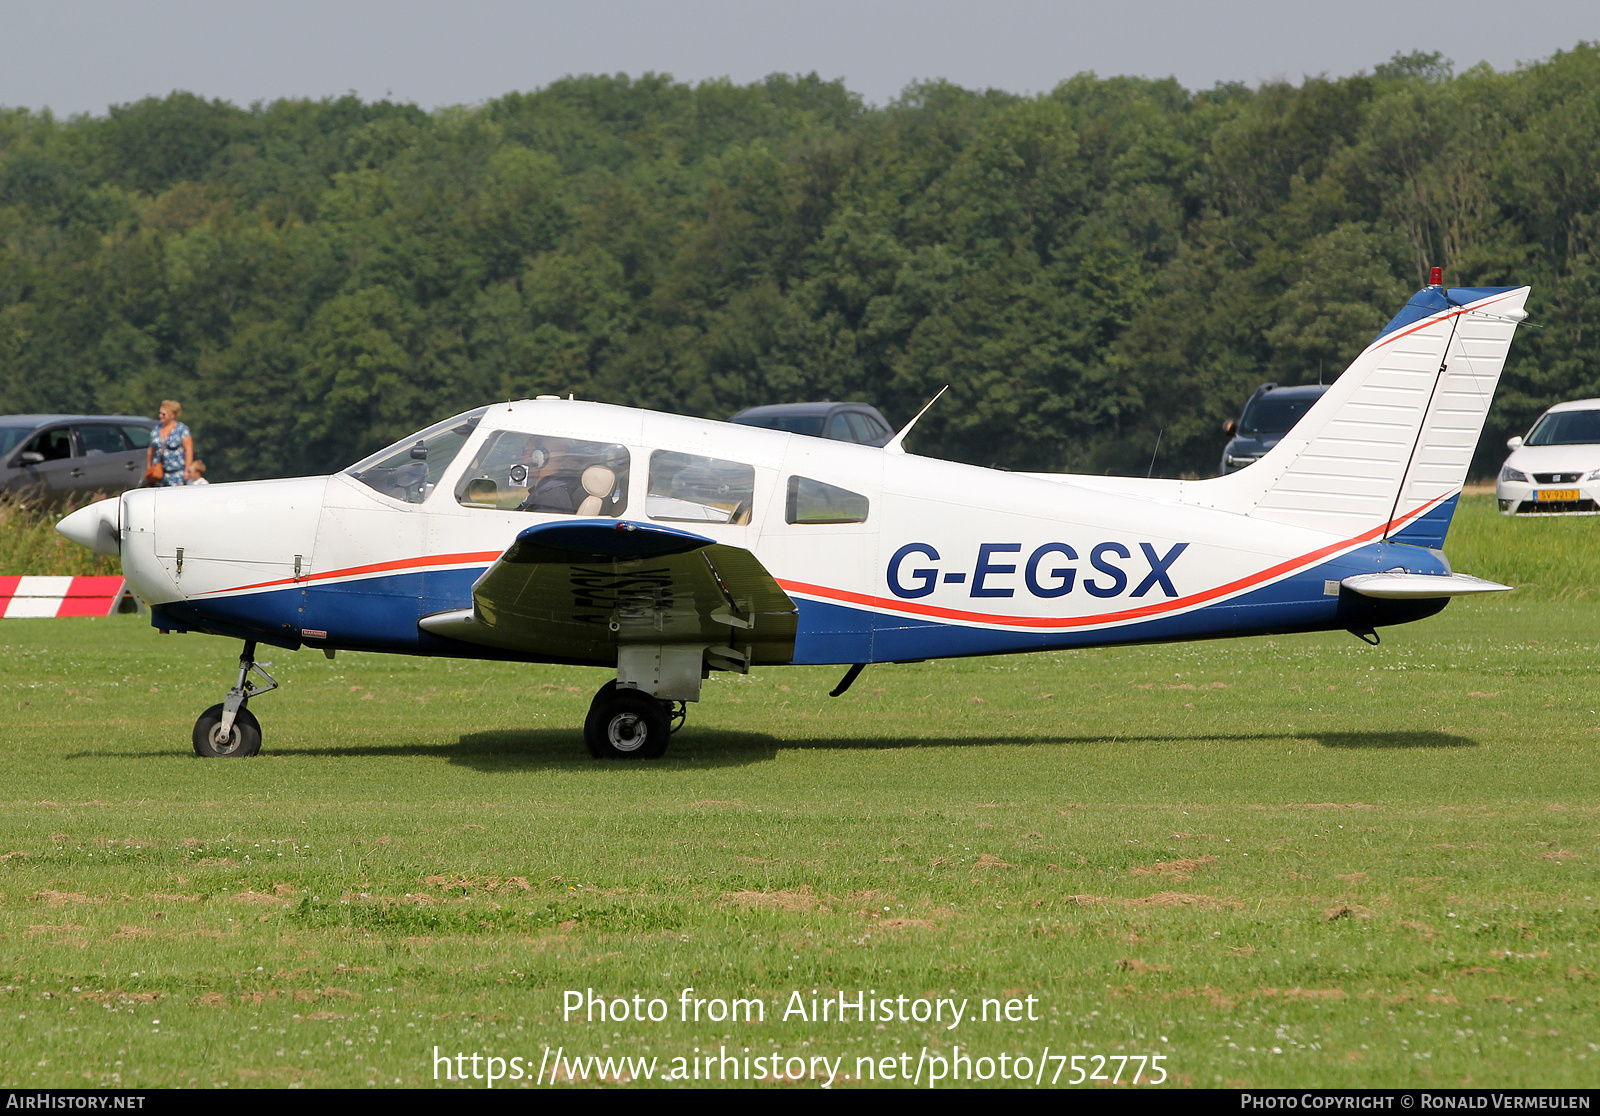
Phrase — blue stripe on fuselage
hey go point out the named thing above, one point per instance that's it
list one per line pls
(381, 614)
(1429, 529)
(370, 614)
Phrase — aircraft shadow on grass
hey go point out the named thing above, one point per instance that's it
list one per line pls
(546, 749)
(513, 749)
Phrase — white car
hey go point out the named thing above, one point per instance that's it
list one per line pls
(1555, 470)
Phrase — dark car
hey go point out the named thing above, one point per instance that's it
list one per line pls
(1270, 414)
(844, 422)
(52, 458)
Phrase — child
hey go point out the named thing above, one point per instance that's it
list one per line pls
(195, 473)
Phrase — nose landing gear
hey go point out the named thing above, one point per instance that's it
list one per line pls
(230, 729)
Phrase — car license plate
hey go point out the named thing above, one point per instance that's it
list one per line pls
(1544, 494)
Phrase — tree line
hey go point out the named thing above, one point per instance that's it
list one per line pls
(1091, 270)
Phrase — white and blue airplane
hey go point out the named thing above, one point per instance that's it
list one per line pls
(663, 547)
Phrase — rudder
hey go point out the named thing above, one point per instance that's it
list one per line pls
(1386, 450)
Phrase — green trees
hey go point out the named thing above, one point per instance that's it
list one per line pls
(1089, 269)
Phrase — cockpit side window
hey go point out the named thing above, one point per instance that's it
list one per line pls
(812, 501)
(685, 488)
(516, 471)
(409, 469)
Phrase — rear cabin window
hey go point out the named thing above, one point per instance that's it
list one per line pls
(516, 471)
(812, 501)
(410, 469)
(685, 488)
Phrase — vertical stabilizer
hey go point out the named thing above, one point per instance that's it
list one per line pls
(1392, 440)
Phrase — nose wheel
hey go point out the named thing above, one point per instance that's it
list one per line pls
(629, 724)
(242, 738)
(229, 728)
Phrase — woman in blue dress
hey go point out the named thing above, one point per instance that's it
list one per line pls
(171, 444)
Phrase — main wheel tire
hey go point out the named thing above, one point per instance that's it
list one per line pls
(625, 724)
(243, 740)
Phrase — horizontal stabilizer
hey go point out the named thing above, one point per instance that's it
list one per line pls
(1410, 586)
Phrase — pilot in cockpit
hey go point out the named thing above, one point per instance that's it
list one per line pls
(550, 482)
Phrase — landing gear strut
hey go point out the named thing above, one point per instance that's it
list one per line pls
(625, 723)
(230, 729)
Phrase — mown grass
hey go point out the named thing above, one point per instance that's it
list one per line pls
(1287, 861)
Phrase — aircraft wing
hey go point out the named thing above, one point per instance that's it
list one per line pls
(577, 590)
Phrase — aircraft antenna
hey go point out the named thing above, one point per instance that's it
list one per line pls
(897, 443)
(1150, 472)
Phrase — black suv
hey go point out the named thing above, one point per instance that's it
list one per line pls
(53, 458)
(843, 422)
(1270, 414)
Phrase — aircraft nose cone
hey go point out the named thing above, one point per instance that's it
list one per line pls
(95, 527)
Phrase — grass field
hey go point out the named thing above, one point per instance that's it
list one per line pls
(1286, 861)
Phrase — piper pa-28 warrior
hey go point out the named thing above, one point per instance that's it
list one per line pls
(663, 547)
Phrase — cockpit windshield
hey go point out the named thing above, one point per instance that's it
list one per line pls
(409, 469)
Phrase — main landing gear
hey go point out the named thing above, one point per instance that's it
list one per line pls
(230, 729)
(625, 723)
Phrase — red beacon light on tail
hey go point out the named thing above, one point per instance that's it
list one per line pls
(1436, 277)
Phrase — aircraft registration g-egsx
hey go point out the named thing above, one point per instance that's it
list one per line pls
(665, 547)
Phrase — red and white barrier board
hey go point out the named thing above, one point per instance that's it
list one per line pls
(64, 596)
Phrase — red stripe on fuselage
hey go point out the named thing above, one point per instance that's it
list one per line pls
(399, 565)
